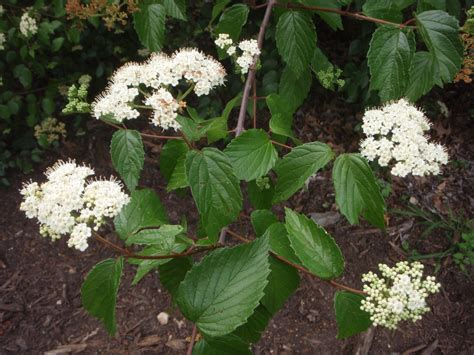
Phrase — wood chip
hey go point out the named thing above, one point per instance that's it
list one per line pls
(149, 341)
(67, 349)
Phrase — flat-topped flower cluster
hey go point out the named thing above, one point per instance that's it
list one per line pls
(397, 132)
(67, 204)
(28, 26)
(159, 74)
(399, 294)
(248, 49)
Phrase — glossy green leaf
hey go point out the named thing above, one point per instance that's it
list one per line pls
(260, 198)
(280, 243)
(282, 115)
(165, 234)
(294, 89)
(173, 272)
(316, 249)
(178, 179)
(143, 211)
(215, 188)
(261, 220)
(333, 20)
(169, 156)
(439, 31)
(128, 156)
(226, 345)
(350, 318)
(357, 191)
(221, 292)
(389, 10)
(423, 72)
(149, 24)
(99, 291)
(176, 8)
(252, 330)
(251, 154)
(296, 40)
(297, 166)
(389, 60)
(282, 282)
(232, 20)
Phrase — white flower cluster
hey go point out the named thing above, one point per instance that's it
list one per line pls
(3, 39)
(2, 10)
(398, 295)
(67, 204)
(248, 48)
(28, 26)
(397, 131)
(160, 72)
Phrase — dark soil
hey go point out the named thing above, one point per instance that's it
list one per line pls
(40, 308)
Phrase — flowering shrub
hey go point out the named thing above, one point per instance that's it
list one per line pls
(232, 292)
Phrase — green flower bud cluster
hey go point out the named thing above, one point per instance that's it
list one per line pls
(263, 183)
(330, 77)
(77, 96)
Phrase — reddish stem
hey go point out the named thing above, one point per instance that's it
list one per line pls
(282, 145)
(193, 339)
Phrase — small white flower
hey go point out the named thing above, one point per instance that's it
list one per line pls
(66, 204)
(165, 109)
(249, 50)
(396, 132)
(28, 26)
(223, 41)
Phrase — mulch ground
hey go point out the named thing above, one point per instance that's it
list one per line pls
(40, 308)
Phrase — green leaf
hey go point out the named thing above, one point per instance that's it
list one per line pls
(282, 282)
(48, 105)
(128, 156)
(282, 116)
(296, 40)
(357, 191)
(294, 89)
(176, 8)
(178, 179)
(170, 154)
(279, 242)
(99, 291)
(388, 10)
(333, 20)
(423, 71)
(227, 345)
(439, 31)
(297, 166)
(261, 220)
(190, 128)
(149, 24)
(232, 21)
(23, 74)
(260, 198)
(389, 59)
(218, 7)
(316, 249)
(252, 330)
(251, 154)
(215, 188)
(222, 291)
(147, 265)
(164, 235)
(57, 44)
(173, 272)
(350, 318)
(143, 211)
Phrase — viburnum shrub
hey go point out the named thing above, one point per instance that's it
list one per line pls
(232, 292)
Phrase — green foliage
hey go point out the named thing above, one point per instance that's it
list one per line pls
(232, 20)
(316, 249)
(464, 258)
(215, 188)
(143, 211)
(219, 299)
(99, 291)
(252, 154)
(389, 58)
(150, 24)
(296, 40)
(128, 156)
(297, 166)
(357, 191)
(350, 318)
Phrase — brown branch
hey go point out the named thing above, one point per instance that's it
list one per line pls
(128, 254)
(300, 268)
(281, 145)
(355, 15)
(193, 339)
(251, 75)
(254, 98)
